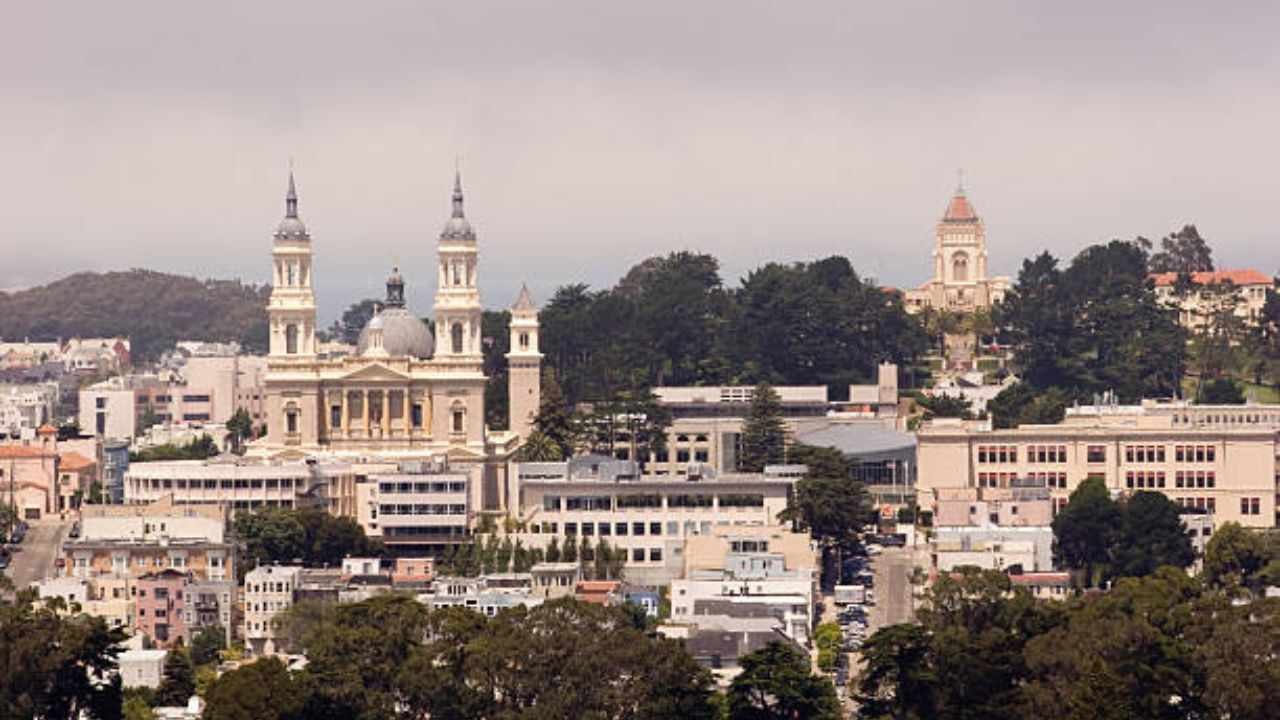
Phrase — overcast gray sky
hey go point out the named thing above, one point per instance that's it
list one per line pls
(592, 135)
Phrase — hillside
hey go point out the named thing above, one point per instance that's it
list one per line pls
(153, 309)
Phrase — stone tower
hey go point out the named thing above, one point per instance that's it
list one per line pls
(524, 366)
(960, 258)
(292, 309)
(457, 305)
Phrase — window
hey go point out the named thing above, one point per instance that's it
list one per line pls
(335, 416)
(100, 403)
(459, 421)
(637, 554)
(291, 339)
(605, 529)
(524, 341)
(655, 528)
(655, 554)
(637, 529)
(291, 422)
(416, 415)
(571, 528)
(455, 338)
(551, 503)
(621, 528)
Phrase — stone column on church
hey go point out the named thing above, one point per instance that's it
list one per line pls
(346, 413)
(386, 413)
(405, 424)
(364, 408)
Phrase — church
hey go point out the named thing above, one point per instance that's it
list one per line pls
(407, 393)
(960, 282)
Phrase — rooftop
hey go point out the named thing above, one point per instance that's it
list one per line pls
(1215, 277)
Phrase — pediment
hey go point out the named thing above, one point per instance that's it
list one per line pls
(375, 372)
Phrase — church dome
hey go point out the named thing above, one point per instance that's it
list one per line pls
(403, 335)
(394, 331)
(292, 228)
(458, 227)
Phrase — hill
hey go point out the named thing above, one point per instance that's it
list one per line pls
(153, 309)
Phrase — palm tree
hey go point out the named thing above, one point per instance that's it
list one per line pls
(539, 448)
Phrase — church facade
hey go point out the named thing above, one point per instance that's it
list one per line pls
(960, 281)
(407, 393)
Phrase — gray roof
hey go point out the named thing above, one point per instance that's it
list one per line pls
(524, 301)
(403, 335)
(858, 439)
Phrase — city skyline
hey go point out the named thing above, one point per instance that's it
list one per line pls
(591, 138)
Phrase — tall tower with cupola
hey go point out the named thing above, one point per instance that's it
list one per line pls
(457, 305)
(960, 258)
(292, 308)
(524, 366)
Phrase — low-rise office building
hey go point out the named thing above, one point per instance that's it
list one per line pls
(596, 498)
(242, 484)
(1227, 469)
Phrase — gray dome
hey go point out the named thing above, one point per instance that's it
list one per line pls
(402, 334)
(458, 228)
(292, 228)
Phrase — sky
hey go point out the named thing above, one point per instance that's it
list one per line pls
(593, 135)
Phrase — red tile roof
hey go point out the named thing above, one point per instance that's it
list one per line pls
(959, 209)
(1235, 277)
(74, 462)
(18, 452)
(1039, 578)
(47, 429)
(596, 591)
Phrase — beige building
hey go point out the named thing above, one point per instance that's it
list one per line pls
(268, 591)
(1227, 469)
(406, 394)
(129, 541)
(1199, 302)
(233, 382)
(243, 484)
(42, 476)
(960, 281)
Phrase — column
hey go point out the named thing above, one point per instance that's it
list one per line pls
(364, 408)
(346, 414)
(386, 413)
(405, 420)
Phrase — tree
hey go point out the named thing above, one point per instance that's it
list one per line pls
(1085, 530)
(148, 419)
(239, 429)
(260, 690)
(953, 406)
(1150, 535)
(52, 665)
(776, 683)
(553, 420)
(539, 448)
(1236, 556)
(1021, 404)
(763, 431)
(179, 681)
(830, 504)
(1221, 391)
(207, 644)
(136, 708)
(1182, 252)
(495, 334)
(354, 318)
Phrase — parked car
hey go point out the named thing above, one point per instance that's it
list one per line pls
(5, 557)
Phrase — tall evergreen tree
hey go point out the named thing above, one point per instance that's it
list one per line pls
(763, 431)
(179, 682)
(554, 421)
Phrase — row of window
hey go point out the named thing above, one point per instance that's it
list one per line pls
(622, 529)
(415, 415)
(1194, 453)
(605, 503)
(1143, 453)
(273, 586)
(1250, 506)
(1144, 479)
(1050, 479)
(435, 509)
(389, 488)
(1194, 478)
(1207, 504)
(997, 454)
(1047, 453)
(155, 484)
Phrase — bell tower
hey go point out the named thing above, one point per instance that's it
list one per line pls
(457, 305)
(292, 308)
(524, 366)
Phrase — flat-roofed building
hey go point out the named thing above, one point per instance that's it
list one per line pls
(1227, 469)
(134, 540)
(419, 507)
(596, 498)
(268, 591)
(243, 484)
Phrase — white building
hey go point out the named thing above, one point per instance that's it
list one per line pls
(268, 591)
(142, 668)
(242, 484)
(596, 498)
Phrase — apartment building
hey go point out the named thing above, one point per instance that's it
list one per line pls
(268, 591)
(27, 405)
(597, 498)
(1206, 460)
(40, 475)
(114, 408)
(234, 381)
(129, 541)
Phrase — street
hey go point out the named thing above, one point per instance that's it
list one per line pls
(33, 559)
(892, 569)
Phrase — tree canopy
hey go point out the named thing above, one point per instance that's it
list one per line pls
(311, 535)
(764, 439)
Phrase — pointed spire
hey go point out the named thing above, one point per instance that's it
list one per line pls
(457, 194)
(291, 198)
(524, 302)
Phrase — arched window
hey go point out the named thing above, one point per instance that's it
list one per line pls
(960, 267)
(524, 341)
(291, 339)
(455, 336)
(459, 420)
(291, 420)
